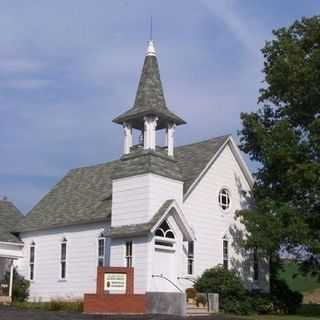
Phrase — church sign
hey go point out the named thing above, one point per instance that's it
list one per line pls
(115, 282)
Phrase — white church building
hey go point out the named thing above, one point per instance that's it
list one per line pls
(167, 212)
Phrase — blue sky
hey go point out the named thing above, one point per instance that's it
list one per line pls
(67, 68)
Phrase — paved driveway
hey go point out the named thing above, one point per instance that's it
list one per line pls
(10, 313)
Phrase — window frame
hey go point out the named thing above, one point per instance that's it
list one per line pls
(225, 253)
(190, 258)
(221, 205)
(129, 254)
(63, 260)
(32, 251)
(165, 242)
(101, 258)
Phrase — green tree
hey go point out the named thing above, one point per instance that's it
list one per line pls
(283, 136)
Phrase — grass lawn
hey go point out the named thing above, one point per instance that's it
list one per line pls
(307, 312)
(299, 283)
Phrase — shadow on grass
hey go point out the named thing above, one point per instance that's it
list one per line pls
(309, 310)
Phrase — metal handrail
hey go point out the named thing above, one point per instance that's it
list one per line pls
(165, 278)
(186, 278)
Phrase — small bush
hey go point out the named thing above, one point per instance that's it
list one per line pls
(262, 303)
(191, 293)
(235, 306)
(233, 297)
(20, 288)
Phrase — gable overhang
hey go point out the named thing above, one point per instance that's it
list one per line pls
(175, 210)
(236, 152)
(11, 250)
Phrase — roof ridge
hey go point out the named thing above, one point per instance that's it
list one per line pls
(203, 141)
(177, 147)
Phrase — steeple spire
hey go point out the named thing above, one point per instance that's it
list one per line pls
(149, 112)
(151, 51)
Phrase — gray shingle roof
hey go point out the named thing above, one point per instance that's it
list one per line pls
(9, 218)
(147, 161)
(149, 99)
(84, 194)
(193, 158)
(141, 228)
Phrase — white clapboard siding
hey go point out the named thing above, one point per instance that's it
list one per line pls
(206, 217)
(136, 199)
(82, 251)
(140, 263)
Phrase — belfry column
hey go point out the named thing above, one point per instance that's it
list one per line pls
(150, 124)
(127, 131)
(170, 138)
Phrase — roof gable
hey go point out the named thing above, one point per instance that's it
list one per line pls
(238, 157)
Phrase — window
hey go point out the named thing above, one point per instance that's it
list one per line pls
(190, 257)
(164, 236)
(129, 254)
(225, 254)
(224, 199)
(63, 259)
(255, 265)
(31, 261)
(101, 250)
(164, 231)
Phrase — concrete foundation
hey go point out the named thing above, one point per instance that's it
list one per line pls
(172, 303)
(213, 302)
(5, 300)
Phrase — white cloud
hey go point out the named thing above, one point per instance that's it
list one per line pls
(248, 31)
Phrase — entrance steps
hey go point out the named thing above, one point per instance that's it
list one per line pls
(194, 311)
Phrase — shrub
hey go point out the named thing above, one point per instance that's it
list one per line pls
(191, 293)
(53, 305)
(241, 307)
(233, 297)
(20, 288)
(262, 303)
(285, 300)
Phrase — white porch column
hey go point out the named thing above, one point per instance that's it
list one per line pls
(150, 124)
(11, 279)
(170, 138)
(127, 144)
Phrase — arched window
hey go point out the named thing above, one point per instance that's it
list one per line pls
(101, 249)
(31, 260)
(164, 231)
(164, 235)
(63, 259)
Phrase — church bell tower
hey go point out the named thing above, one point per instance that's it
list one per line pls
(149, 113)
(147, 173)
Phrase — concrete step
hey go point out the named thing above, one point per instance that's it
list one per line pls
(193, 310)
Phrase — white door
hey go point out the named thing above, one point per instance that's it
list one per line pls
(164, 271)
